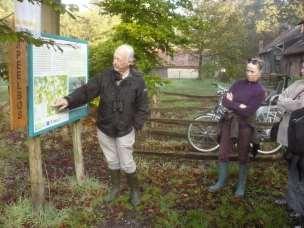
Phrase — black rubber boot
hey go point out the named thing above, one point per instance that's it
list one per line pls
(134, 188)
(114, 185)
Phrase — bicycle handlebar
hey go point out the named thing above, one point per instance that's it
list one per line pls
(220, 89)
(273, 97)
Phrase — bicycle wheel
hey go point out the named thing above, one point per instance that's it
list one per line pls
(266, 145)
(203, 138)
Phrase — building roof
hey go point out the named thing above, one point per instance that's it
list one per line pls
(284, 40)
(296, 48)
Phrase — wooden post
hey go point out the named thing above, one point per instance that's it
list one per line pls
(77, 148)
(155, 114)
(36, 176)
(18, 85)
(50, 20)
(18, 104)
(50, 24)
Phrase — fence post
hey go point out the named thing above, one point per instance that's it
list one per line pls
(155, 114)
(36, 175)
(77, 149)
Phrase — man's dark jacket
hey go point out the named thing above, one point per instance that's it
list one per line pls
(121, 107)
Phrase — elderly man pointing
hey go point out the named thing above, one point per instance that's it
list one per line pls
(122, 110)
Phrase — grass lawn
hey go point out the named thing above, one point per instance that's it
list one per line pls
(191, 86)
(174, 192)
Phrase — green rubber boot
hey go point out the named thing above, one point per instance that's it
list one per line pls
(134, 188)
(114, 185)
(241, 186)
(223, 174)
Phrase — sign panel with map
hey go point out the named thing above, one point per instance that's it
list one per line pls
(54, 72)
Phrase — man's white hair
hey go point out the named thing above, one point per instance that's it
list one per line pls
(128, 49)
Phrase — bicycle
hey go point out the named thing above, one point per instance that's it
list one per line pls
(268, 114)
(204, 139)
(271, 113)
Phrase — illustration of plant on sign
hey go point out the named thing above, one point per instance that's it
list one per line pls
(49, 88)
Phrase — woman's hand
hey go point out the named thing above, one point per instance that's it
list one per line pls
(229, 96)
(242, 106)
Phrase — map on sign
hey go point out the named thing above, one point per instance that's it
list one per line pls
(54, 72)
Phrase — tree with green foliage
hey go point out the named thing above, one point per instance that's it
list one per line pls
(149, 26)
(278, 13)
(230, 31)
(88, 24)
(217, 34)
(266, 19)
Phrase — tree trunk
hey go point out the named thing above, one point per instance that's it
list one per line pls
(200, 66)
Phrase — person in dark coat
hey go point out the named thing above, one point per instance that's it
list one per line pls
(122, 110)
(242, 101)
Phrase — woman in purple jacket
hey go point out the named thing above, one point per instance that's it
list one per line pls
(242, 101)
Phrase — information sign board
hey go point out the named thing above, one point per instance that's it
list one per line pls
(54, 72)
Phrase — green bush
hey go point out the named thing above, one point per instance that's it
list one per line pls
(209, 69)
(101, 56)
(154, 83)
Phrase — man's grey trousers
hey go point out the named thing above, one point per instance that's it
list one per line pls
(118, 151)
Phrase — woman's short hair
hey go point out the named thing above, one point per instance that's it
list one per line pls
(256, 61)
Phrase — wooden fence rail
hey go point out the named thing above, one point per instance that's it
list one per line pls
(202, 156)
(181, 109)
(186, 122)
(191, 96)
